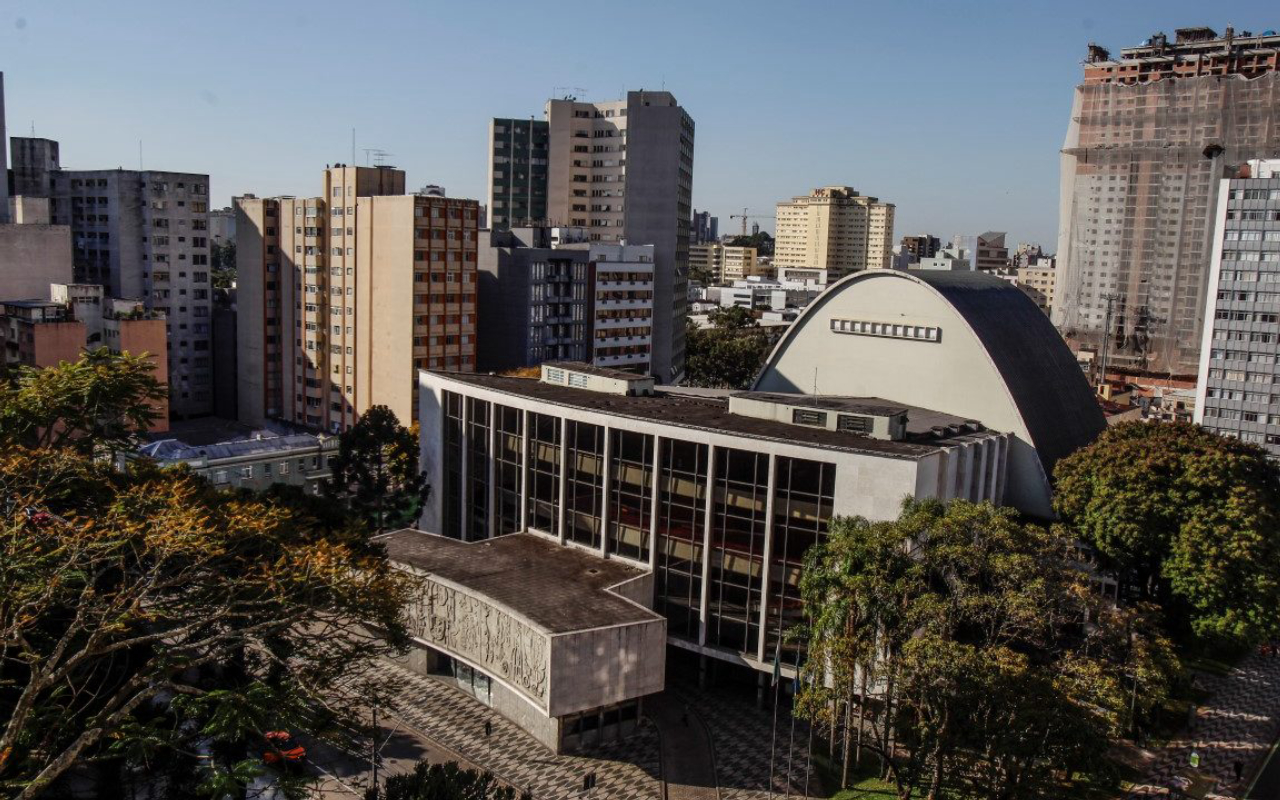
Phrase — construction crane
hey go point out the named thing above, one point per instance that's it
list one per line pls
(744, 216)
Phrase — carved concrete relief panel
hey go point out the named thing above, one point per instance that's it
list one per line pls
(499, 643)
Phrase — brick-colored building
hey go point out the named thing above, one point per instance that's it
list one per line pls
(342, 297)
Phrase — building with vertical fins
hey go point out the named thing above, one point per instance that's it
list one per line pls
(1152, 133)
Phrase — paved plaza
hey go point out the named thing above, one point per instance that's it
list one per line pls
(1239, 722)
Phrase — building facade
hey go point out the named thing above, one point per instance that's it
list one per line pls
(832, 232)
(986, 251)
(725, 263)
(718, 498)
(35, 163)
(518, 164)
(1152, 133)
(705, 228)
(624, 170)
(298, 459)
(146, 235)
(33, 252)
(921, 247)
(1236, 393)
(536, 297)
(622, 307)
(342, 297)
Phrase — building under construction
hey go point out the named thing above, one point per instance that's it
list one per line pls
(1151, 134)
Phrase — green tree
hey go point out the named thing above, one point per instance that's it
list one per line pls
(223, 260)
(147, 612)
(1184, 517)
(728, 355)
(445, 782)
(982, 656)
(376, 473)
(100, 404)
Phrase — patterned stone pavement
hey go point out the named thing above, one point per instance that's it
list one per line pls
(1238, 723)
(743, 736)
(626, 771)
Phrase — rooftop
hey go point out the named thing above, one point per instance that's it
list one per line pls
(680, 409)
(558, 588)
(600, 372)
(175, 450)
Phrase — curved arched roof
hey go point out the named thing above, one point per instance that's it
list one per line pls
(1041, 376)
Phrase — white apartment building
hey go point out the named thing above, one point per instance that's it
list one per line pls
(623, 306)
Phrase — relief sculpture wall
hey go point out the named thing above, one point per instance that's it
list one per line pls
(499, 643)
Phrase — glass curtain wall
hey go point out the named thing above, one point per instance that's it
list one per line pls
(509, 446)
(451, 491)
(584, 491)
(739, 504)
(544, 473)
(631, 494)
(682, 487)
(802, 502)
(477, 479)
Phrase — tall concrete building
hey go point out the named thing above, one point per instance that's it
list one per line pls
(35, 163)
(622, 306)
(518, 159)
(536, 299)
(4, 159)
(145, 234)
(1152, 132)
(986, 252)
(33, 252)
(706, 228)
(624, 170)
(830, 233)
(921, 247)
(342, 297)
(1240, 349)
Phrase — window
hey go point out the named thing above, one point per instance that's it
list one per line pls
(802, 416)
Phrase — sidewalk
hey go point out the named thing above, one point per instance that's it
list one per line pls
(1239, 722)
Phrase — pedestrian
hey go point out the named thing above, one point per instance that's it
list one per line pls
(1238, 769)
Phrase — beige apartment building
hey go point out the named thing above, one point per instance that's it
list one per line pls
(725, 263)
(1040, 280)
(343, 297)
(832, 232)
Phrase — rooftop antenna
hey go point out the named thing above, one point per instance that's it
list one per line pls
(140, 169)
(378, 155)
(577, 91)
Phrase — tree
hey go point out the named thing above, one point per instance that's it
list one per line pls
(728, 355)
(99, 405)
(977, 646)
(445, 782)
(149, 613)
(1183, 517)
(223, 260)
(761, 240)
(376, 471)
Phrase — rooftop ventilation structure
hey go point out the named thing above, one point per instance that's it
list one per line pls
(866, 416)
(578, 375)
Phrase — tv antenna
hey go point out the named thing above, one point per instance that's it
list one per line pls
(377, 155)
(577, 90)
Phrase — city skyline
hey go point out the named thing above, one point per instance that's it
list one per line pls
(960, 156)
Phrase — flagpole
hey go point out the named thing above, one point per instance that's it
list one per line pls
(791, 740)
(777, 670)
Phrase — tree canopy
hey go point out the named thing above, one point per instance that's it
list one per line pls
(376, 472)
(1184, 517)
(100, 404)
(445, 782)
(728, 355)
(985, 658)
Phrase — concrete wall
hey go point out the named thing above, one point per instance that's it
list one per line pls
(954, 375)
(250, 317)
(31, 258)
(606, 666)
(384, 305)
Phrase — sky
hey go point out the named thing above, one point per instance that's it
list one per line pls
(954, 111)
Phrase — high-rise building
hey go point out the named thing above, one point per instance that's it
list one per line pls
(146, 235)
(4, 160)
(624, 171)
(1240, 347)
(1152, 132)
(342, 297)
(705, 228)
(832, 232)
(536, 298)
(35, 163)
(921, 247)
(222, 226)
(518, 158)
(986, 252)
(623, 306)
(33, 252)
(721, 263)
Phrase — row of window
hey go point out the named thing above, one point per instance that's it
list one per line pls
(891, 330)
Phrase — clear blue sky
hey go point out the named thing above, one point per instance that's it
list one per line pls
(952, 110)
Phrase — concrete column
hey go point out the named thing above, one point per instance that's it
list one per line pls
(708, 509)
(653, 505)
(980, 476)
(768, 555)
(605, 485)
(564, 475)
(524, 470)
(491, 490)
